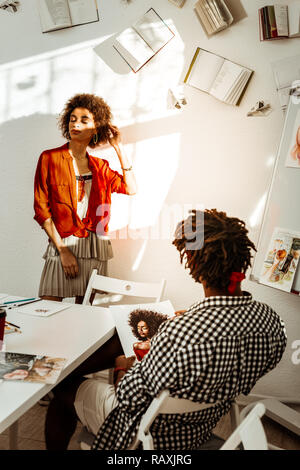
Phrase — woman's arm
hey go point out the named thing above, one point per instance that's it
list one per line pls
(128, 175)
(68, 260)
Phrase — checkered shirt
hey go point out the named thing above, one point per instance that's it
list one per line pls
(212, 353)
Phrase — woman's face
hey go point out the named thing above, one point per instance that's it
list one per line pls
(143, 329)
(81, 125)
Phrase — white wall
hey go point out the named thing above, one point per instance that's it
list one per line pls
(209, 154)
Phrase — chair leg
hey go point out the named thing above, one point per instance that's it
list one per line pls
(13, 436)
(234, 416)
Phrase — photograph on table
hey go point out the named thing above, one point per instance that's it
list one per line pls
(30, 368)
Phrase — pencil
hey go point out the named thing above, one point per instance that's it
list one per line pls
(12, 324)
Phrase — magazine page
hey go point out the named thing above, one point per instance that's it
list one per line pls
(153, 30)
(30, 368)
(281, 260)
(294, 17)
(137, 324)
(205, 70)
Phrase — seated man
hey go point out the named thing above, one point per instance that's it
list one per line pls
(210, 353)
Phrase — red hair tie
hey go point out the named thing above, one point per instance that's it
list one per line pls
(234, 279)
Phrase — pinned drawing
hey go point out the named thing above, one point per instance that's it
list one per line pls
(281, 261)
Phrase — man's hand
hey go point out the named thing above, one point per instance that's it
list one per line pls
(179, 312)
(125, 362)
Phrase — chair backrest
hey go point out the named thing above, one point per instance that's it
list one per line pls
(250, 432)
(165, 404)
(120, 286)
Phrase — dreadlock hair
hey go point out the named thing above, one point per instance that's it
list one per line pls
(153, 320)
(224, 249)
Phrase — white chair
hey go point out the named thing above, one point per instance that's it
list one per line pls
(123, 287)
(163, 403)
(250, 431)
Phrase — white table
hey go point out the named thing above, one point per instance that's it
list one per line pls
(74, 333)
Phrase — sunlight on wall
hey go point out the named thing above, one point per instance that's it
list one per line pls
(256, 216)
(155, 164)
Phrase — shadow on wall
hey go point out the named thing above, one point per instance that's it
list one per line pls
(20, 238)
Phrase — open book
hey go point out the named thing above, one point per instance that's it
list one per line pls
(143, 39)
(137, 324)
(30, 368)
(59, 14)
(221, 78)
(279, 21)
(281, 261)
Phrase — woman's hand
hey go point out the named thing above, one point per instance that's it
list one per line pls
(115, 136)
(69, 263)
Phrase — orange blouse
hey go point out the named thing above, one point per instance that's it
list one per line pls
(55, 193)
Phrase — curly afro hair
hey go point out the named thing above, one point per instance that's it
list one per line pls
(225, 248)
(153, 320)
(101, 112)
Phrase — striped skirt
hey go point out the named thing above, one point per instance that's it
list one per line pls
(91, 253)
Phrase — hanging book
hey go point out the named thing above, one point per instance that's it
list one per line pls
(139, 43)
(214, 15)
(59, 14)
(279, 21)
(220, 77)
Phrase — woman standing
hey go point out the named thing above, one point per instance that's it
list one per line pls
(72, 198)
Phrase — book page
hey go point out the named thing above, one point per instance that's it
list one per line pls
(236, 92)
(54, 14)
(204, 20)
(153, 30)
(83, 11)
(205, 70)
(226, 79)
(294, 19)
(134, 50)
(281, 16)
